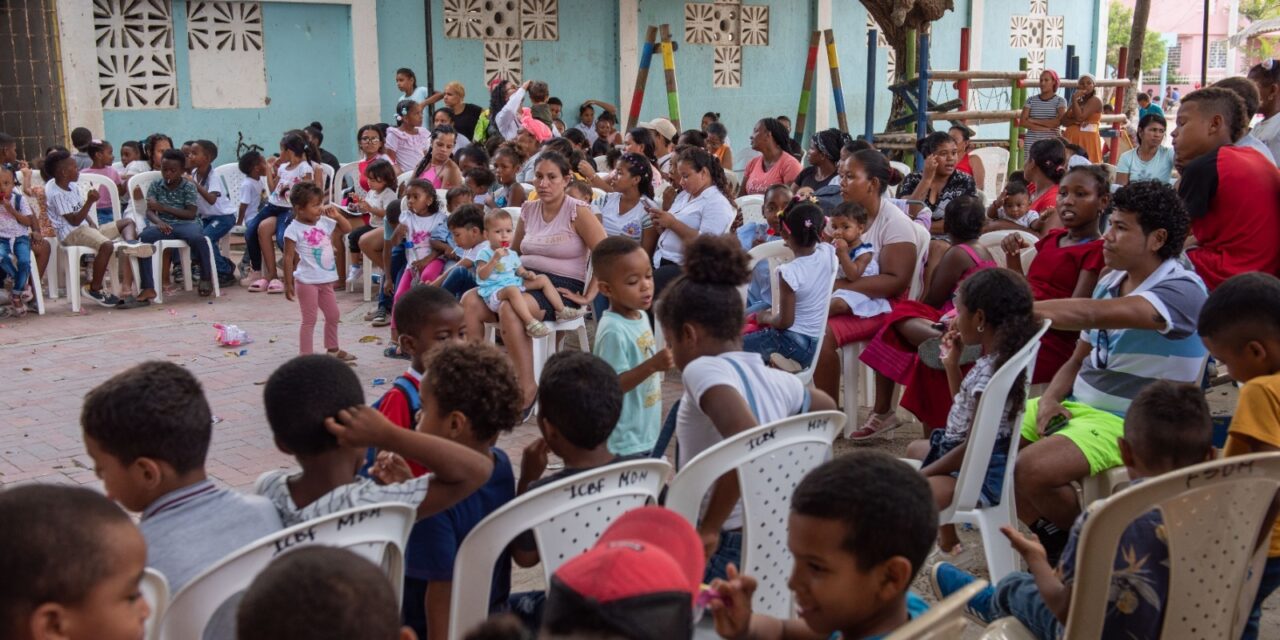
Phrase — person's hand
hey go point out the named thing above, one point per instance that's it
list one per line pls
(842, 246)
(573, 296)
(533, 462)
(1027, 546)
(360, 426)
(930, 166)
(501, 252)
(288, 291)
(953, 346)
(587, 169)
(164, 227)
(1047, 410)
(388, 286)
(1013, 244)
(420, 264)
(390, 468)
(526, 84)
(710, 542)
(732, 610)
(662, 361)
(363, 207)
(24, 167)
(661, 218)
(271, 161)
(92, 196)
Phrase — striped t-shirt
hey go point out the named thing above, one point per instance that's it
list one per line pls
(274, 486)
(1124, 361)
(1041, 109)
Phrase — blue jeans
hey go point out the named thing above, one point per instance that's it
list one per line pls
(1016, 595)
(790, 344)
(216, 228)
(598, 306)
(105, 216)
(458, 282)
(398, 263)
(730, 550)
(1270, 580)
(191, 233)
(20, 250)
(251, 245)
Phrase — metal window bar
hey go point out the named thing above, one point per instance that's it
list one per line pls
(32, 107)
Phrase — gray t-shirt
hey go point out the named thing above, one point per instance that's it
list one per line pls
(1041, 109)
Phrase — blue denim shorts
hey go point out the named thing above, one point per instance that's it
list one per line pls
(994, 481)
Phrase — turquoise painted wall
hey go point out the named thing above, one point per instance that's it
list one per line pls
(309, 77)
(402, 42)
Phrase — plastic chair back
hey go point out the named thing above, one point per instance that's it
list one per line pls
(328, 178)
(1214, 514)
(752, 207)
(1001, 558)
(770, 460)
(943, 620)
(566, 517)
(777, 254)
(142, 182)
(991, 242)
(376, 532)
(902, 168)
(92, 182)
(230, 176)
(922, 254)
(155, 590)
(995, 162)
(601, 163)
(349, 171)
(403, 179)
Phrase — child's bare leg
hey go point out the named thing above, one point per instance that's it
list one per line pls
(839, 308)
(128, 230)
(543, 283)
(267, 242)
(918, 449)
(943, 488)
(515, 297)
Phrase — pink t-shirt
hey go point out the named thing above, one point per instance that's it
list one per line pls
(553, 247)
(783, 171)
(408, 147)
(104, 195)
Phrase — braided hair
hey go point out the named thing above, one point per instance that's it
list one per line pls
(641, 170)
(1006, 302)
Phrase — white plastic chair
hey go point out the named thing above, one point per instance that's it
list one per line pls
(1103, 485)
(348, 171)
(143, 181)
(770, 460)
(964, 509)
(944, 620)
(902, 168)
(566, 518)
(87, 182)
(752, 207)
(851, 368)
(1214, 514)
(601, 163)
(155, 590)
(991, 242)
(742, 157)
(995, 162)
(328, 179)
(376, 532)
(230, 179)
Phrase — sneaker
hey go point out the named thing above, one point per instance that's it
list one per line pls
(137, 249)
(946, 579)
(380, 318)
(877, 425)
(227, 279)
(784, 363)
(101, 297)
(354, 273)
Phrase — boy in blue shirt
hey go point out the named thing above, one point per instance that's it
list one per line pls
(625, 341)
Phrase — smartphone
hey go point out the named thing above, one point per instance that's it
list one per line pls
(1055, 423)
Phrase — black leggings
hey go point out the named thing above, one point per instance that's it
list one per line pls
(353, 238)
(663, 275)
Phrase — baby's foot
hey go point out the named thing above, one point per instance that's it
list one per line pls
(570, 313)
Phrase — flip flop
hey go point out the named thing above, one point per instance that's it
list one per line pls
(258, 286)
(275, 287)
(394, 352)
(342, 355)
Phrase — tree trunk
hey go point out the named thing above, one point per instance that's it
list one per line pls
(895, 18)
(1137, 37)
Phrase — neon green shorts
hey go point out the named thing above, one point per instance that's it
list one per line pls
(1094, 431)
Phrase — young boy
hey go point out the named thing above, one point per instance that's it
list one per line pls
(467, 226)
(80, 138)
(1240, 325)
(320, 592)
(625, 341)
(16, 222)
(860, 528)
(72, 564)
(469, 397)
(1167, 427)
(171, 210)
(217, 213)
(500, 277)
(254, 167)
(147, 430)
(315, 406)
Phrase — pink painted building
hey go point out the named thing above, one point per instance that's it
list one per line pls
(1184, 20)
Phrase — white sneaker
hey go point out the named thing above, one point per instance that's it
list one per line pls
(354, 273)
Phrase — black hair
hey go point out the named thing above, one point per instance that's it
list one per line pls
(1016, 188)
(585, 107)
(700, 159)
(511, 150)
(497, 97)
(406, 71)
(1168, 425)
(295, 142)
(316, 130)
(7, 140)
(854, 146)
(828, 143)
(852, 211)
(877, 168)
(929, 144)
(576, 137)
(613, 154)
(186, 144)
(706, 294)
(714, 128)
(1267, 71)
(1076, 150)
(402, 109)
(448, 114)
(886, 507)
(559, 161)
(304, 193)
(383, 171)
(148, 145)
(1101, 179)
(1152, 118)
(1142, 95)
(1017, 176)
(641, 170)
(55, 548)
(1050, 157)
(965, 132)
(608, 251)
(301, 393)
(607, 116)
(209, 148)
(554, 100)
(322, 593)
(1249, 300)
(693, 137)
(468, 215)
(1157, 206)
(53, 160)
(579, 394)
(804, 222)
(381, 131)
(173, 155)
(95, 147)
(450, 196)
(964, 218)
(151, 410)
(538, 91)
(644, 138)
(715, 117)
(562, 146)
(1005, 300)
(482, 176)
(473, 152)
(442, 130)
(248, 161)
(776, 131)
(1223, 102)
(1247, 91)
(477, 380)
(80, 137)
(419, 305)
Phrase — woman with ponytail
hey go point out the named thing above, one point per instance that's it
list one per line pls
(1046, 164)
(702, 207)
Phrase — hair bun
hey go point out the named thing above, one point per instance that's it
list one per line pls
(317, 126)
(895, 176)
(716, 260)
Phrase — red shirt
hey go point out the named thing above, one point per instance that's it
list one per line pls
(1237, 226)
(1056, 269)
(395, 406)
(1046, 200)
(964, 166)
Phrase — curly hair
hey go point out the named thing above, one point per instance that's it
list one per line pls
(706, 294)
(1005, 300)
(304, 193)
(477, 380)
(301, 393)
(1157, 206)
(964, 218)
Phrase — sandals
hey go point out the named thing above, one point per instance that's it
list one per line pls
(394, 352)
(877, 425)
(275, 286)
(258, 286)
(342, 355)
(536, 329)
(570, 313)
(133, 302)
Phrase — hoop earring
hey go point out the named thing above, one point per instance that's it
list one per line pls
(980, 328)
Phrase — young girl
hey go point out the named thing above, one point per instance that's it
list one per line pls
(407, 141)
(500, 277)
(425, 235)
(625, 209)
(437, 166)
(507, 191)
(309, 267)
(1042, 113)
(788, 337)
(381, 178)
(16, 222)
(294, 166)
(751, 234)
(726, 390)
(993, 311)
(856, 259)
(100, 153)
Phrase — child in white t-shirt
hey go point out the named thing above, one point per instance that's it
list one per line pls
(857, 260)
(788, 336)
(500, 277)
(309, 266)
(1014, 205)
(16, 221)
(254, 167)
(424, 231)
(296, 165)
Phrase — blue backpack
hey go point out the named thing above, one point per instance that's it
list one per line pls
(410, 391)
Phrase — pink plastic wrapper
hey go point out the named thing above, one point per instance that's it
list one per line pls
(229, 335)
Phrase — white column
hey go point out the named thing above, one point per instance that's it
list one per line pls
(1233, 26)
(822, 97)
(628, 55)
(79, 58)
(364, 60)
(976, 19)
(1100, 45)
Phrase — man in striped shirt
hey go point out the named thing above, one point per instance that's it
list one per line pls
(1139, 327)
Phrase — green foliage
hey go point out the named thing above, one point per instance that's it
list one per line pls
(1119, 27)
(1255, 10)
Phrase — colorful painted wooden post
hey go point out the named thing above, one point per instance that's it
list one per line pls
(836, 90)
(910, 66)
(806, 88)
(1014, 127)
(869, 126)
(1069, 72)
(642, 77)
(922, 94)
(1122, 63)
(1023, 65)
(669, 70)
(963, 87)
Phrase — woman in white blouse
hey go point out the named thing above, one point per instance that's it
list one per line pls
(702, 206)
